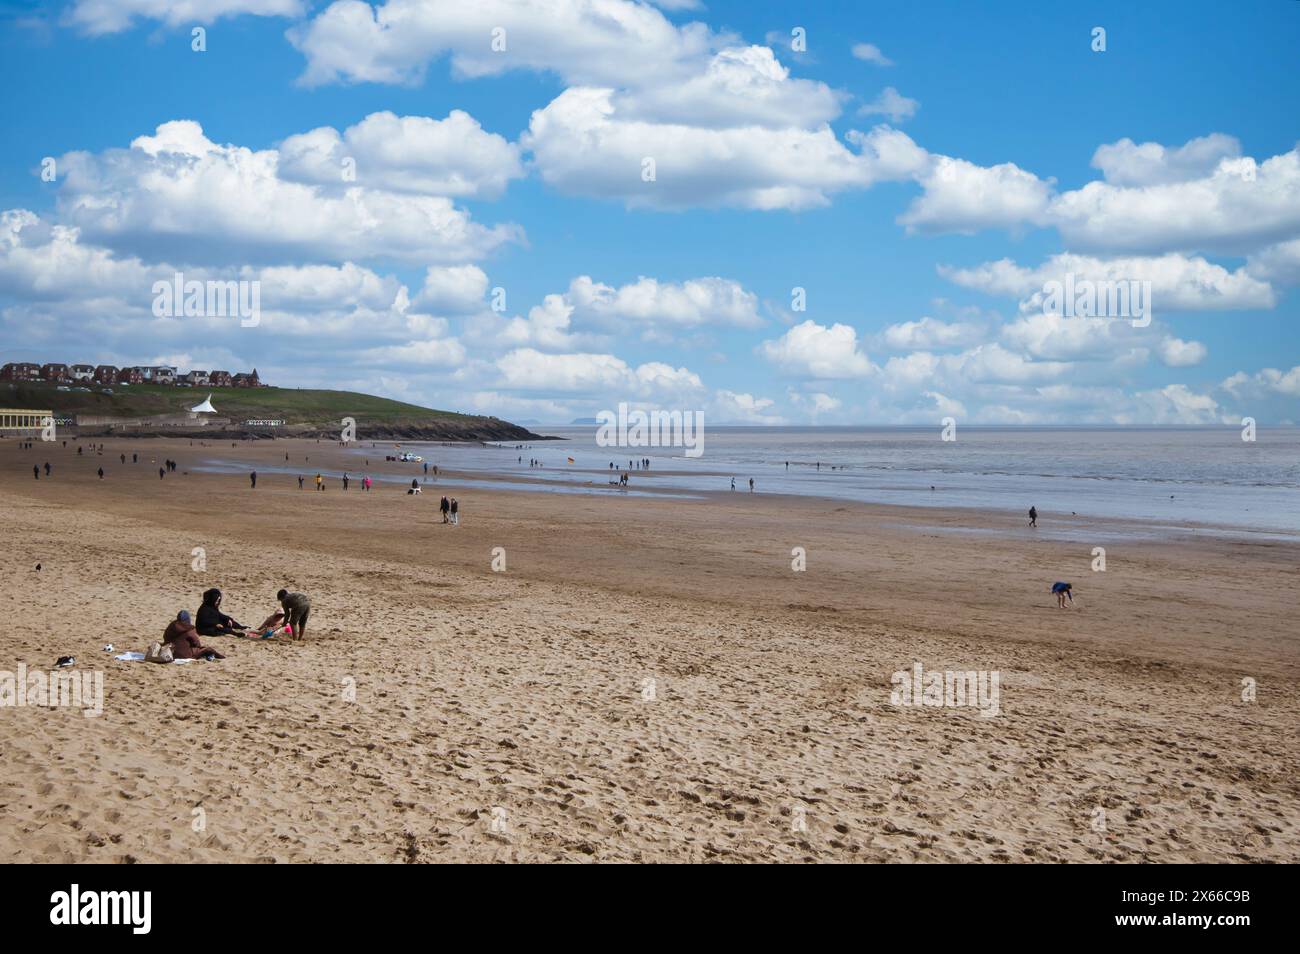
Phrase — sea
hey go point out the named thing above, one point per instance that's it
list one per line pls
(1171, 478)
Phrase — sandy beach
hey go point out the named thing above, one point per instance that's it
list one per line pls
(647, 680)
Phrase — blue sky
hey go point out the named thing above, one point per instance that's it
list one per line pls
(921, 171)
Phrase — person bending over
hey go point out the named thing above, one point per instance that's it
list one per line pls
(296, 608)
(1062, 590)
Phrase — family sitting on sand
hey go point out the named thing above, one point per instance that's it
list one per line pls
(290, 619)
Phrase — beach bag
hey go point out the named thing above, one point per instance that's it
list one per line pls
(158, 653)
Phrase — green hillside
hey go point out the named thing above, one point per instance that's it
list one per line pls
(292, 405)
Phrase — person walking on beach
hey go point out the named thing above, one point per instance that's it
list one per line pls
(365, 484)
(135, 458)
(320, 482)
(445, 506)
(733, 483)
(1033, 516)
(300, 481)
(252, 479)
(161, 473)
(345, 481)
(1062, 590)
(36, 471)
(296, 608)
(123, 458)
(101, 473)
(455, 512)
(751, 485)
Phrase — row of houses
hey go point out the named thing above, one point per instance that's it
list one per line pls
(107, 374)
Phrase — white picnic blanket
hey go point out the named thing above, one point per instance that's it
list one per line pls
(139, 657)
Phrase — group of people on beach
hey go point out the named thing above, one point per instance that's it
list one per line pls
(183, 633)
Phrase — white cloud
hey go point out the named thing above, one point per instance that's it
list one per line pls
(452, 289)
(891, 103)
(1125, 163)
(816, 351)
(1265, 381)
(929, 333)
(744, 408)
(649, 302)
(97, 17)
(603, 375)
(1177, 353)
(582, 145)
(739, 86)
(1176, 404)
(180, 192)
(613, 42)
(1178, 283)
(1240, 206)
(870, 53)
(1279, 263)
(962, 197)
(448, 157)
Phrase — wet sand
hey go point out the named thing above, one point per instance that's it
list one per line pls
(648, 679)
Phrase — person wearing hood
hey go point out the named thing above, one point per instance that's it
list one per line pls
(213, 622)
(184, 641)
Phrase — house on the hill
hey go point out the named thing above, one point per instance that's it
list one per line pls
(54, 372)
(219, 379)
(20, 371)
(106, 374)
(159, 374)
(130, 376)
(247, 380)
(83, 372)
(195, 379)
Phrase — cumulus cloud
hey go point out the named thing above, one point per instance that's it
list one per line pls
(1265, 381)
(1178, 282)
(180, 192)
(731, 407)
(739, 86)
(962, 197)
(1199, 197)
(452, 289)
(815, 351)
(583, 41)
(928, 334)
(582, 145)
(604, 375)
(1177, 353)
(1277, 263)
(648, 302)
(1125, 163)
(448, 157)
(1239, 206)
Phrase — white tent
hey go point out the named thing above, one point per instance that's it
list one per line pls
(204, 408)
